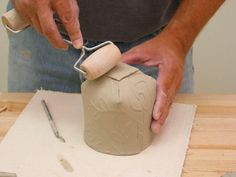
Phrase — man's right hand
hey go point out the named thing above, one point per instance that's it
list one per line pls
(40, 15)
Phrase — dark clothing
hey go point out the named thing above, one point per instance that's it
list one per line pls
(124, 20)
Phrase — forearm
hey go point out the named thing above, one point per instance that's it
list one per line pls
(190, 18)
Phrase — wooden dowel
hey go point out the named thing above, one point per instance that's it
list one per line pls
(101, 61)
(14, 21)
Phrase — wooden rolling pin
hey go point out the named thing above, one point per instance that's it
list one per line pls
(96, 65)
(101, 61)
(14, 21)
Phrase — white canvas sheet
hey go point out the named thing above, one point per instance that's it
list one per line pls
(30, 149)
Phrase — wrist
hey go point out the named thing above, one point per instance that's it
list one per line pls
(182, 35)
(174, 41)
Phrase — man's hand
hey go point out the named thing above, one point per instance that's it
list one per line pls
(40, 15)
(166, 53)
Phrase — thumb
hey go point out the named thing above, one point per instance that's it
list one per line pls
(130, 57)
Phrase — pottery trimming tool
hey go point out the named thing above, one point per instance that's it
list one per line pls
(105, 57)
(51, 121)
(4, 108)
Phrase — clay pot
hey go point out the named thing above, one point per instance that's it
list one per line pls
(118, 111)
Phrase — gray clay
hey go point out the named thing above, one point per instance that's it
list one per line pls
(118, 111)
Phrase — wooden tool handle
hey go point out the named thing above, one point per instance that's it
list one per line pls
(14, 21)
(101, 61)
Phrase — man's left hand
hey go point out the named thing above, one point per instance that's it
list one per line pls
(165, 52)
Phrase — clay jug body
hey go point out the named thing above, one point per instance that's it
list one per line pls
(118, 111)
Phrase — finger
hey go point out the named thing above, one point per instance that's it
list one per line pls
(157, 124)
(68, 12)
(161, 120)
(35, 22)
(133, 56)
(20, 11)
(161, 102)
(156, 127)
(170, 98)
(164, 83)
(174, 88)
(175, 85)
(50, 29)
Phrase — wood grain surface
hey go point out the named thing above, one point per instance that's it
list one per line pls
(212, 148)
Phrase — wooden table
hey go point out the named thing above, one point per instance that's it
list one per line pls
(212, 148)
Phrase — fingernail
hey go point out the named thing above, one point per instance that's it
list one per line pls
(78, 44)
(157, 116)
(156, 128)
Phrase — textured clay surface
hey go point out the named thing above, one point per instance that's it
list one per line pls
(118, 111)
